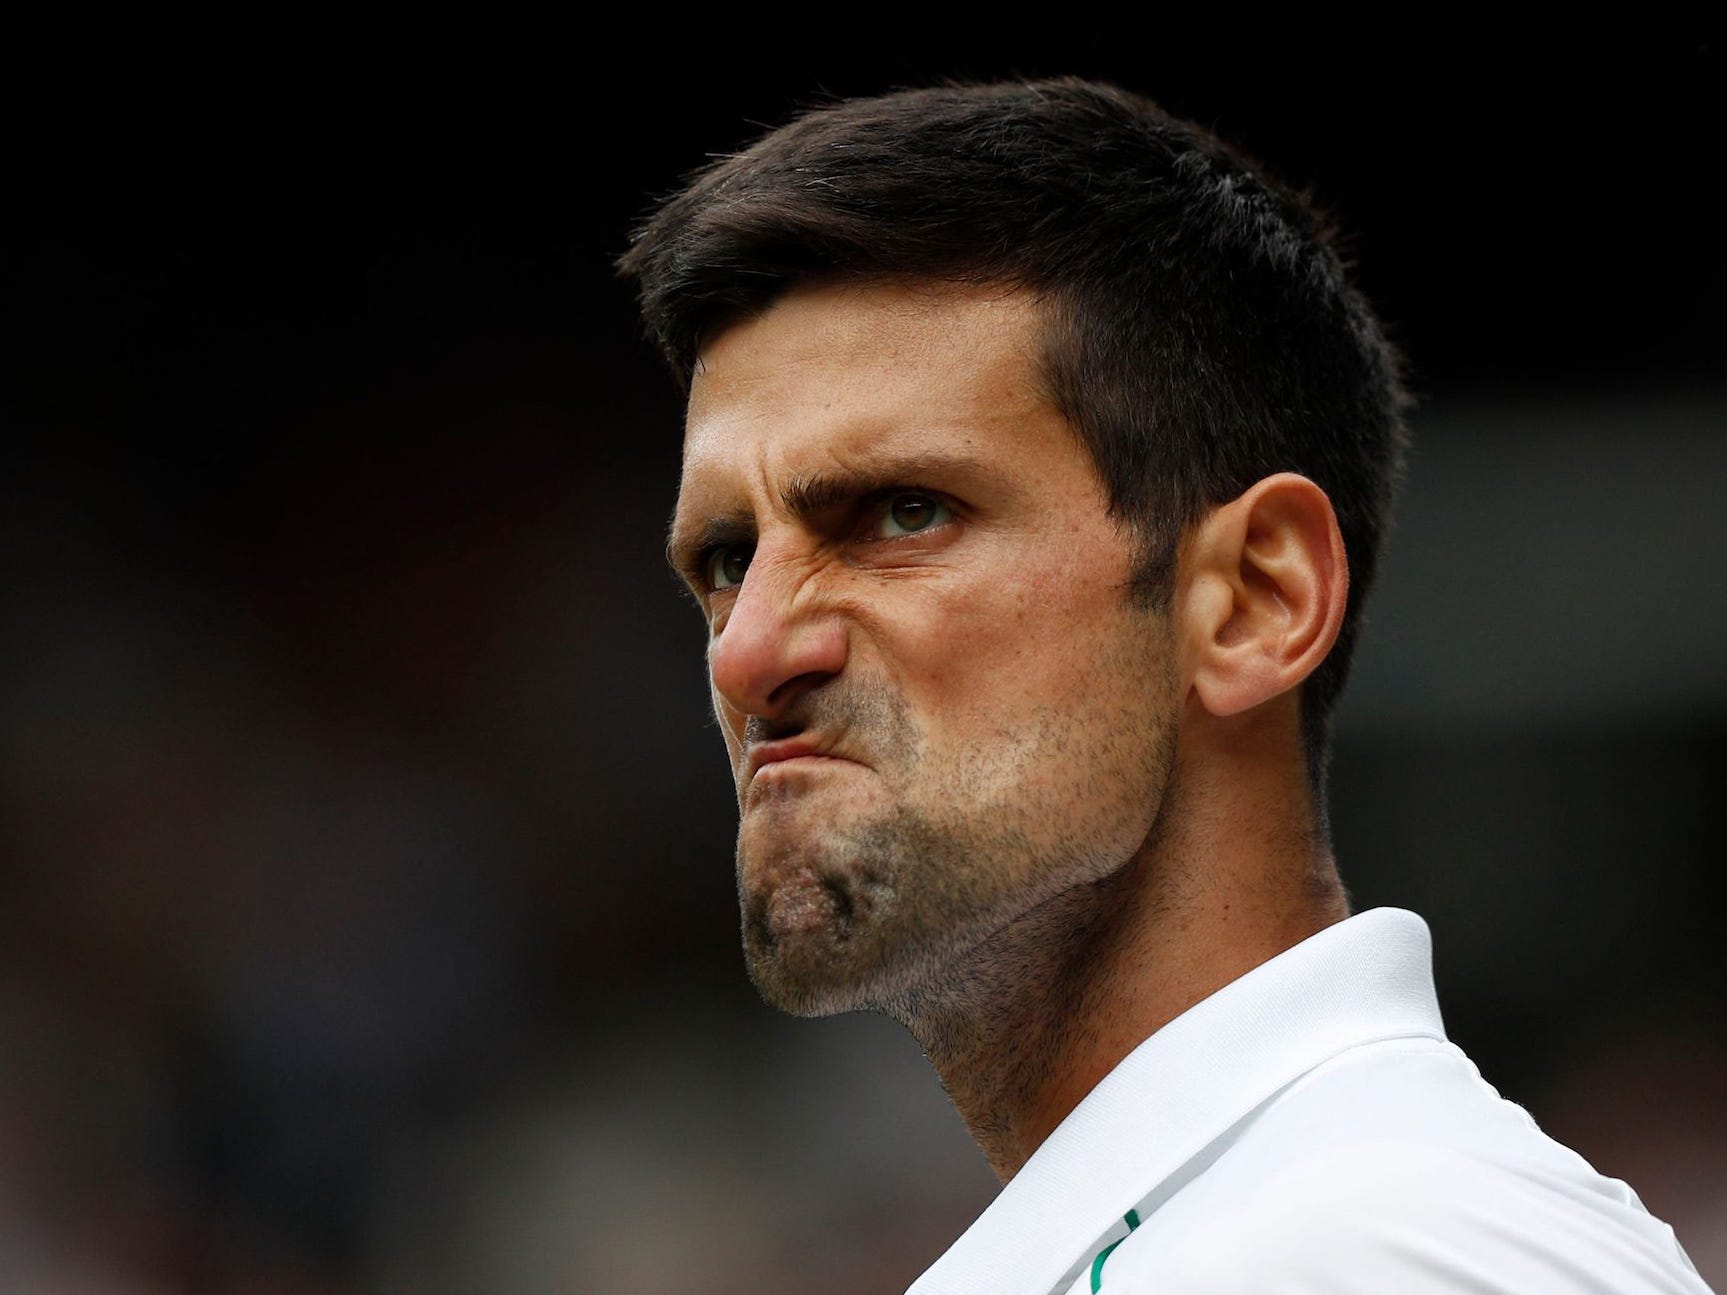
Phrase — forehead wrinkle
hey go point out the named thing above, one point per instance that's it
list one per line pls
(855, 461)
(787, 420)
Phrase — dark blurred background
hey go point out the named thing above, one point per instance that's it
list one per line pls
(366, 912)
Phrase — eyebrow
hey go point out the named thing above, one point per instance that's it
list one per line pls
(812, 492)
(683, 551)
(809, 494)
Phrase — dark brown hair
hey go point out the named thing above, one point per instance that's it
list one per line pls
(1201, 330)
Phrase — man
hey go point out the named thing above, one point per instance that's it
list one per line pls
(1038, 452)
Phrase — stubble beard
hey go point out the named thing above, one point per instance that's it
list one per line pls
(846, 894)
(868, 914)
(882, 905)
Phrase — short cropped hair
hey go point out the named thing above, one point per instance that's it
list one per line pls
(1200, 331)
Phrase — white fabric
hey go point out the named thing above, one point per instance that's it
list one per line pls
(1308, 1129)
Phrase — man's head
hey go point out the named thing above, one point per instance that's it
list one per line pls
(888, 310)
(1199, 328)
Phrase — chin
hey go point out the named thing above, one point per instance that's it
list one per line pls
(816, 941)
(798, 994)
(851, 905)
(828, 940)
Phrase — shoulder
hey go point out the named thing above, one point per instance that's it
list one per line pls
(1398, 1171)
(1408, 1218)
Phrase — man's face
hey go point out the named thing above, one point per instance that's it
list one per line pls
(942, 705)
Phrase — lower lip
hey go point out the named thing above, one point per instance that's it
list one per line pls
(798, 762)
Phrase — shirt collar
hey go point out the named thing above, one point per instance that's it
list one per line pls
(1365, 979)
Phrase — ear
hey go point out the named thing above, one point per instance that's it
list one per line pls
(1262, 595)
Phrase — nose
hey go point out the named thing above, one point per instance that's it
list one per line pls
(777, 644)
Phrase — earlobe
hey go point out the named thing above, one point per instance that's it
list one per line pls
(1264, 593)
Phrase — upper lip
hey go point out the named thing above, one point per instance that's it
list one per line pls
(763, 754)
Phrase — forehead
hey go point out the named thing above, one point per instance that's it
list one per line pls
(847, 376)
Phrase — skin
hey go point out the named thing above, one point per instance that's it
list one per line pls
(981, 787)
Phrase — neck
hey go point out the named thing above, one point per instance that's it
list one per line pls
(1034, 1017)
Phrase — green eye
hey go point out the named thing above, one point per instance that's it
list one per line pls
(727, 564)
(908, 513)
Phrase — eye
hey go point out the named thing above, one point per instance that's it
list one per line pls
(725, 566)
(908, 513)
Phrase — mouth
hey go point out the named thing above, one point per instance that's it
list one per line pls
(782, 751)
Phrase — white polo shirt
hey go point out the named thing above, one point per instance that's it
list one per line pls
(1308, 1129)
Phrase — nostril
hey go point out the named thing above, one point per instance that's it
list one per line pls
(797, 686)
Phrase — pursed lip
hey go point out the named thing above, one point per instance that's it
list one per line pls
(763, 754)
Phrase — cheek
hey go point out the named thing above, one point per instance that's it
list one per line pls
(1000, 649)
